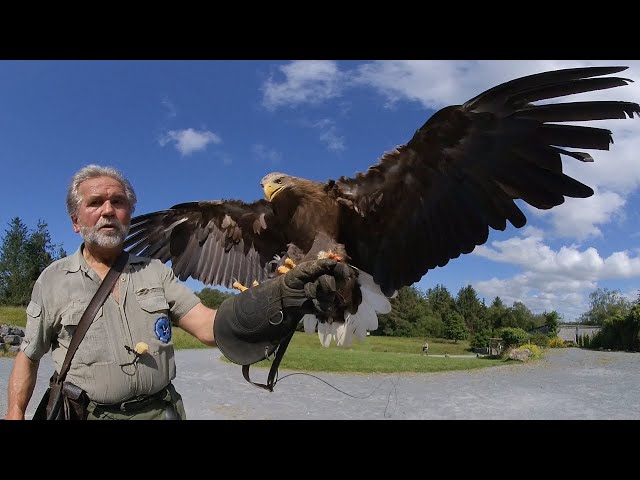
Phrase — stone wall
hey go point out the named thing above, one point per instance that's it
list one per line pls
(10, 338)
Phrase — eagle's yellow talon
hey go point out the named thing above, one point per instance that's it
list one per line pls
(289, 263)
(238, 286)
(282, 269)
(255, 283)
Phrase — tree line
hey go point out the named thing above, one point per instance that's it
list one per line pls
(25, 252)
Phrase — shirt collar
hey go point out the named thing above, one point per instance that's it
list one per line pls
(77, 261)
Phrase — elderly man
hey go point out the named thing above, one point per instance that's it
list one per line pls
(124, 365)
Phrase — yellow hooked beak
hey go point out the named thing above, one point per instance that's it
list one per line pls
(271, 190)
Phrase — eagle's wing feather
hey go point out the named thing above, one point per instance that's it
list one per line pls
(435, 198)
(215, 242)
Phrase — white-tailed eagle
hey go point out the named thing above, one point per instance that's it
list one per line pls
(421, 205)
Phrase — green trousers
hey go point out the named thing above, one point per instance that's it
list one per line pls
(156, 410)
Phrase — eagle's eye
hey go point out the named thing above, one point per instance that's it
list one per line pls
(279, 180)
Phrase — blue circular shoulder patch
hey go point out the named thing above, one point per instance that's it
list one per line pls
(163, 329)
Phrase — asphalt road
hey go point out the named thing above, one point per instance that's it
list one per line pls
(568, 384)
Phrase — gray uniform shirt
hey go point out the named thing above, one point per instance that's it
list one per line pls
(151, 300)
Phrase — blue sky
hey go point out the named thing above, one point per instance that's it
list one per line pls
(204, 130)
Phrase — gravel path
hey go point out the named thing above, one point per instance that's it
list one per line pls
(566, 384)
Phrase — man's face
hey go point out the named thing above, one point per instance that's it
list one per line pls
(104, 215)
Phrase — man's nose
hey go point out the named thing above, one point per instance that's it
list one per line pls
(107, 208)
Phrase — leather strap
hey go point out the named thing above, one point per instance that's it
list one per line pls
(90, 313)
(271, 379)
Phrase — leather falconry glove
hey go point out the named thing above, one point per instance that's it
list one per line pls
(251, 325)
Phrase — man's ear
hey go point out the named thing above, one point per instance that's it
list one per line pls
(76, 227)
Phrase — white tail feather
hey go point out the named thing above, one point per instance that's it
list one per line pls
(309, 321)
(372, 294)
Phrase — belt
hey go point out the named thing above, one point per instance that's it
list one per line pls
(136, 403)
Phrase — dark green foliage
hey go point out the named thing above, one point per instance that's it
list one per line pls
(552, 320)
(454, 327)
(605, 304)
(212, 298)
(540, 339)
(472, 309)
(620, 332)
(481, 339)
(24, 255)
(513, 337)
(497, 313)
(440, 301)
(522, 316)
(410, 316)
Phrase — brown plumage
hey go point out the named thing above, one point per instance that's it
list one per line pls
(424, 203)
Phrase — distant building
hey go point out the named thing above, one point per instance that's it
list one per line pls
(569, 332)
(541, 329)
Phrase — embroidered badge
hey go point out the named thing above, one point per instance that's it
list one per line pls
(163, 329)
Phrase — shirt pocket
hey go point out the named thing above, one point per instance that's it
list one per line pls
(152, 300)
(95, 347)
(157, 325)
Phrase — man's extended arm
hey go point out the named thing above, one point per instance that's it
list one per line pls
(199, 323)
(21, 384)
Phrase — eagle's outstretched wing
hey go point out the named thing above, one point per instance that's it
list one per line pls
(215, 242)
(435, 198)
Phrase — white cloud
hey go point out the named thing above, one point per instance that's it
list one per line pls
(305, 82)
(552, 279)
(189, 141)
(569, 298)
(264, 153)
(329, 135)
(579, 217)
(567, 263)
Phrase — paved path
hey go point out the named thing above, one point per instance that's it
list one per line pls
(566, 384)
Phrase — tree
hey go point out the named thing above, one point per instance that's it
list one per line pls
(552, 320)
(409, 316)
(522, 316)
(212, 298)
(454, 327)
(440, 301)
(605, 304)
(24, 255)
(472, 310)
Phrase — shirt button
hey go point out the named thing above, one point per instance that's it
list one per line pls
(123, 278)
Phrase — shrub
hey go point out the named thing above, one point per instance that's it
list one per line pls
(540, 339)
(534, 349)
(513, 337)
(556, 342)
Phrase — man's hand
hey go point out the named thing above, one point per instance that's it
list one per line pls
(250, 325)
(321, 281)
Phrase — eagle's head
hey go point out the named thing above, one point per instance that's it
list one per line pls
(274, 183)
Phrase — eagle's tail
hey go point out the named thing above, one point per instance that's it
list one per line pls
(356, 325)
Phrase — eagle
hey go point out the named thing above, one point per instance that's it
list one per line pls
(424, 203)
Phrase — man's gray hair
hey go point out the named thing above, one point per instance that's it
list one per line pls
(93, 171)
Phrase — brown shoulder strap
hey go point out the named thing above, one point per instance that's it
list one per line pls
(90, 313)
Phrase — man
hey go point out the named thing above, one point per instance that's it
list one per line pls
(125, 362)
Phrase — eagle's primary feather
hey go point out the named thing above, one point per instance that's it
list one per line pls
(423, 204)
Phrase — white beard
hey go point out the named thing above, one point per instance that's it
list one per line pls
(105, 239)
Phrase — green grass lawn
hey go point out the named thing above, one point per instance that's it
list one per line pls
(378, 355)
(374, 355)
